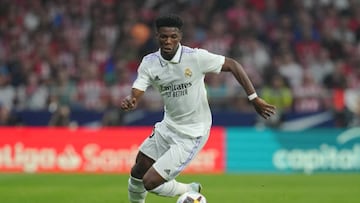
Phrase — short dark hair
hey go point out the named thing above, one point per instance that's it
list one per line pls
(169, 20)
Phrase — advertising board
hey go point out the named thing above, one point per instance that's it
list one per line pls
(111, 150)
(309, 151)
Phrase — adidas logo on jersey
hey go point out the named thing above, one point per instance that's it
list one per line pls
(167, 171)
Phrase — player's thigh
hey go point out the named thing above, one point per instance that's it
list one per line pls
(178, 156)
(141, 166)
(156, 144)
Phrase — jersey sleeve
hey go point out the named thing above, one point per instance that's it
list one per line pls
(143, 80)
(209, 62)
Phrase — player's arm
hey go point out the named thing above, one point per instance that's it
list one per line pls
(262, 107)
(130, 102)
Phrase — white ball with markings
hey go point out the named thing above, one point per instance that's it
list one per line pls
(191, 197)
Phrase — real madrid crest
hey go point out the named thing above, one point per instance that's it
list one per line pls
(188, 72)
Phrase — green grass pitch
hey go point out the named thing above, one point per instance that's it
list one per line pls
(230, 188)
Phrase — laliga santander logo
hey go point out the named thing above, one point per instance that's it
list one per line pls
(91, 158)
(31, 159)
(326, 157)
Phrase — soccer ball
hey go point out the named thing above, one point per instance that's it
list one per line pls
(191, 197)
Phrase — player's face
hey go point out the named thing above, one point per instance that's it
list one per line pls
(168, 38)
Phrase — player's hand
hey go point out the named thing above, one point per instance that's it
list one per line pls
(129, 103)
(263, 108)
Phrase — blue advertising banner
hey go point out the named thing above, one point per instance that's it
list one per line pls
(292, 120)
(314, 150)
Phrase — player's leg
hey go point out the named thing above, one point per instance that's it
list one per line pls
(136, 189)
(160, 178)
(141, 166)
(158, 185)
(150, 150)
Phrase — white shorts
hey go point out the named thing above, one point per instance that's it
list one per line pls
(171, 150)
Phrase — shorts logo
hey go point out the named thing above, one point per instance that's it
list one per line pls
(167, 171)
(188, 73)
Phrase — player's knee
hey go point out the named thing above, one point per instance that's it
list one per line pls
(152, 180)
(137, 171)
(150, 184)
(141, 166)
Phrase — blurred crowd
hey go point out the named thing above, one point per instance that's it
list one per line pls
(302, 55)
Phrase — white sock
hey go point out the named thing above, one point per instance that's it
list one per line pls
(136, 190)
(171, 188)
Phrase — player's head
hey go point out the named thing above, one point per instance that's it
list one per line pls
(168, 34)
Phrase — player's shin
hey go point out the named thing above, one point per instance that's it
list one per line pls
(137, 191)
(171, 188)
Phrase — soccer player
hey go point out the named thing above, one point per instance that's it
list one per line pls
(178, 72)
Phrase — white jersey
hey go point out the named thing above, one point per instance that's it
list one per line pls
(180, 82)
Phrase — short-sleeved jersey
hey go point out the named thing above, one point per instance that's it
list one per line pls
(180, 82)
